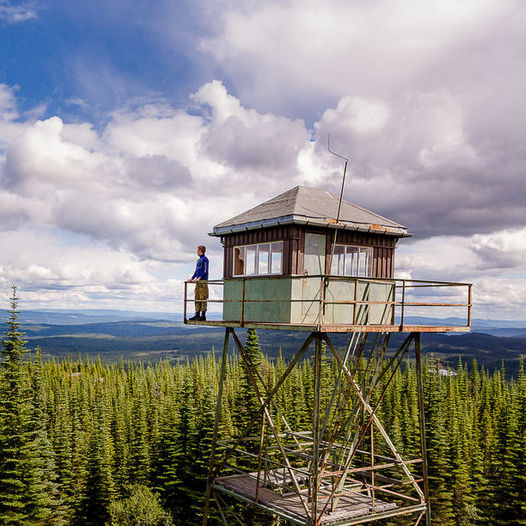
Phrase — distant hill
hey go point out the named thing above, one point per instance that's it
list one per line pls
(68, 317)
(113, 334)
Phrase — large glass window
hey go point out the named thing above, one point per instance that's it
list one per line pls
(261, 259)
(352, 261)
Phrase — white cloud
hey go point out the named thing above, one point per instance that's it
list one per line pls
(299, 51)
(494, 263)
(61, 271)
(245, 139)
(501, 251)
(147, 183)
(105, 212)
(8, 109)
(12, 13)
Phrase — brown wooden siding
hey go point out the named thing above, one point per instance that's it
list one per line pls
(293, 237)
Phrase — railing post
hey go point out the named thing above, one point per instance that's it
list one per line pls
(393, 305)
(469, 305)
(403, 306)
(243, 285)
(185, 301)
(355, 300)
(320, 310)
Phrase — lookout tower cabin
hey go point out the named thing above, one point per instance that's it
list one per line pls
(289, 263)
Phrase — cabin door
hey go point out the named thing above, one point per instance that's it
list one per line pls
(314, 265)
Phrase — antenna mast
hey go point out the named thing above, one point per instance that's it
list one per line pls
(344, 174)
(341, 197)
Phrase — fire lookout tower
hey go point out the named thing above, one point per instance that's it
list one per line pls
(289, 265)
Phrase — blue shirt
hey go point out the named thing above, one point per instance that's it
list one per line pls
(201, 269)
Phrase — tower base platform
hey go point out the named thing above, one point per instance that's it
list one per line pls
(353, 508)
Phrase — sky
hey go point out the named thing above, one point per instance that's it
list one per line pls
(129, 129)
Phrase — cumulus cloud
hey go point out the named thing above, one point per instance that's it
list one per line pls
(425, 98)
(245, 139)
(151, 183)
(154, 180)
(404, 153)
(60, 270)
(501, 251)
(278, 50)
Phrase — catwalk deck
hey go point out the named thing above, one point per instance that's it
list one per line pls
(330, 328)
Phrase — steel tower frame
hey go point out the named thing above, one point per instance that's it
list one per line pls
(332, 473)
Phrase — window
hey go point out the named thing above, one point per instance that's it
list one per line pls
(251, 252)
(261, 259)
(239, 261)
(352, 261)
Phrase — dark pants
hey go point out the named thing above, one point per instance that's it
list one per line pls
(201, 295)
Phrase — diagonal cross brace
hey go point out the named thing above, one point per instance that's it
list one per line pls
(375, 419)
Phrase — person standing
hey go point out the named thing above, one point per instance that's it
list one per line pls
(200, 279)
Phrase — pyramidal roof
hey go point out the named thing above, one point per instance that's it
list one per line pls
(310, 206)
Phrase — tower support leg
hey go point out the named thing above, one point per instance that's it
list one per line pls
(314, 478)
(210, 480)
(421, 416)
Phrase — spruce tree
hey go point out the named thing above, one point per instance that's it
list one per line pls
(99, 488)
(246, 401)
(438, 449)
(14, 407)
(42, 501)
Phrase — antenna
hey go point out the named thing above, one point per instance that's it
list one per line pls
(344, 174)
(340, 200)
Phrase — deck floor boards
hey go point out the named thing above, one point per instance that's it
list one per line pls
(349, 507)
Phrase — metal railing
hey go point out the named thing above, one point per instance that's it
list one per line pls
(406, 293)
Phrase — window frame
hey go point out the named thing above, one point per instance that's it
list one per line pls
(360, 250)
(256, 261)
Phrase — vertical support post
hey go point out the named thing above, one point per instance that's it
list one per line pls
(260, 454)
(372, 465)
(216, 426)
(421, 416)
(185, 300)
(403, 306)
(316, 430)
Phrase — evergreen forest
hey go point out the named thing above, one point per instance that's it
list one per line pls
(89, 443)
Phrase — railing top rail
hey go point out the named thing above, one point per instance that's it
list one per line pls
(406, 281)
